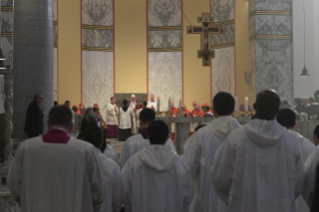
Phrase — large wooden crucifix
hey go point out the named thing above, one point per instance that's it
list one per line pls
(205, 31)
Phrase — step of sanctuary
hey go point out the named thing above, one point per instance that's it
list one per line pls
(116, 144)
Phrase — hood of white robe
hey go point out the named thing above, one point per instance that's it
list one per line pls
(223, 126)
(264, 133)
(158, 157)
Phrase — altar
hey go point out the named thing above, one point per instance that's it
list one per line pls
(305, 128)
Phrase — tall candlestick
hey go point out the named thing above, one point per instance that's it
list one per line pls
(169, 104)
(236, 104)
(246, 103)
(180, 105)
(158, 105)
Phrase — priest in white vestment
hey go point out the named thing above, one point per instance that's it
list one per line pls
(132, 104)
(259, 166)
(200, 149)
(287, 118)
(156, 179)
(94, 136)
(139, 141)
(55, 172)
(152, 103)
(112, 119)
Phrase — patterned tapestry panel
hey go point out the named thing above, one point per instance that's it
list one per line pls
(164, 13)
(222, 10)
(274, 67)
(228, 37)
(55, 10)
(97, 38)
(6, 21)
(6, 3)
(8, 50)
(97, 12)
(165, 39)
(277, 5)
(165, 77)
(97, 79)
(252, 70)
(223, 71)
(55, 77)
(273, 25)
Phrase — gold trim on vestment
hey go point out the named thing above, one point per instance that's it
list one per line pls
(99, 49)
(270, 13)
(219, 46)
(165, 50)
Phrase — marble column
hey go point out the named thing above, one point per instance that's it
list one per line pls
(33, 59)
(270, 49)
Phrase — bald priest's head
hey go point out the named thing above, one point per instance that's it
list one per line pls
(267, 105)
(60, 117)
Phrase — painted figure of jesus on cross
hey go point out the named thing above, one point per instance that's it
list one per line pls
(205, 32)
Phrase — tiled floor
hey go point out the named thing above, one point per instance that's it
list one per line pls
(117, 145)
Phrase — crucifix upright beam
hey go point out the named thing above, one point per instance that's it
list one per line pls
(205, 31)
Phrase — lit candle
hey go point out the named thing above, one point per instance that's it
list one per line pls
(236, 104)
(246, 103)
(158, 106)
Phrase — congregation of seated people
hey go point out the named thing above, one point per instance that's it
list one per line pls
(262, 166)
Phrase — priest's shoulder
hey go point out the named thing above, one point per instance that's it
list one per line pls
(79, 143)
(134, 138)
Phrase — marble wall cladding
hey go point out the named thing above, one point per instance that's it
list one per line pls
(8, 50)
(223, 10)
(55, 36)
(6, 3)
(274, 5)
(252, 70)
(251, 5)
(97, 12)
(165, 76)
(223, 71)
(97, 38)
(55, 10)
(97, 78)
(165, 39)
(6, 21)
(274, 67)
(273, 25)
(228, 37)
(55, 77)
(164, 13)
(252, 26)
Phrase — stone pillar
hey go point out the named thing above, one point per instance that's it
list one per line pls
(33, 59)
(270, 49)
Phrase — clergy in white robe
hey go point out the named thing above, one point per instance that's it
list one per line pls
(156, 179)
(132, 104)
(112, 119)
(139, 141)
(200, 149)
(259, 166)
(55, 172)
(112, 203)
(125, 121)
(111, 154)
(152, 103)
(287, 118)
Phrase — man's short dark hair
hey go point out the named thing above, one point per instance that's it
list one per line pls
(88, 121)
(95, 109)
(112, 98)
(316, 131)
(147, 115)
(286, 118)
(145, 103)
(157, 132)
(267, 105)
(55, 103)
(60, 115)
(125, 102)
(93, 135)
(67, 102)
(36, 96)
(224, 104)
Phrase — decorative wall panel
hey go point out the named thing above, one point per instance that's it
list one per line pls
(6, 21)
(55, 69)
(273, 25)
(252, 70)
(223, 10)
(55, 37)
(164, 13)
(97, 78)
(55, 10)
(278, 5)
(97, 38)
(223, 69)
(6, 3)
(165, 77)
(165, 39)
(8, 50)
(97, 12)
